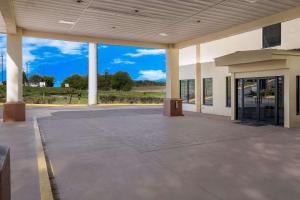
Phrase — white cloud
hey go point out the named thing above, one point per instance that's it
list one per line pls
(32, 44)
(146, 52)
(152, 75)
(3, 48)
(120, 61)
(65, 47)
(103, 46)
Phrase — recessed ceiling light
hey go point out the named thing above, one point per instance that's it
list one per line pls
(66, 22)
(251, 1)
(163, 34)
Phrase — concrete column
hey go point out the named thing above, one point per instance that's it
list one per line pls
(198, 79)
(93, 74)
(14, 70)
(14, 109)
(172, 73)
(172, 103)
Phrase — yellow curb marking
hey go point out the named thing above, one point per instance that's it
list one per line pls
(84, 105)
(45, 187)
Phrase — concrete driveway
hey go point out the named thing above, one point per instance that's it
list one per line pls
(138, 154)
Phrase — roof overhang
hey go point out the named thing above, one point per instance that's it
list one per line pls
(143, 23)
(246, 57)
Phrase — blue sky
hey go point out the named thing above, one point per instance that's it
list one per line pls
(62, 59)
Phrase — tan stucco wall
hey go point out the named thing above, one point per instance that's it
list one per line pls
(251, 40)
(294, 64)
(209, 70)
(187, 70)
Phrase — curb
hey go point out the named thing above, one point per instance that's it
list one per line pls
(45, 186)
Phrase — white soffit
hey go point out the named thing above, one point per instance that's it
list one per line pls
(160, 21)
(2, 24)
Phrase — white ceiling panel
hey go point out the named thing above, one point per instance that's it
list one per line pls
(142, 20)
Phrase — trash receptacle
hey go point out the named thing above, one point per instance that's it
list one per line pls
(173, 107)
(4, 173)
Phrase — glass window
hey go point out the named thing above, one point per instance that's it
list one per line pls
(228, 91)
(208, 91)
(187, 91)
(191, 89)
(184, 91)
(272, 36)
(298, 95)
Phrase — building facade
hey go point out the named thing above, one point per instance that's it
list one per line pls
(253, 88)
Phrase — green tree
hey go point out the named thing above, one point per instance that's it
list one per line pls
(122, 81)
(50, 80)
(76, 81)
(36, 78)
(104, 81)
(25, 79)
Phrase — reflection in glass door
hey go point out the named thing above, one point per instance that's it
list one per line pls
(250, 99)
(267, 100)
(260, 99)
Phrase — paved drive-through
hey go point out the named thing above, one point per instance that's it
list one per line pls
(138, 154)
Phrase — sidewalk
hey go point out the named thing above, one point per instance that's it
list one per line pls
(24, 172)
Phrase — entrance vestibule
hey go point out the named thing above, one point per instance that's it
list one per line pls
(260, 100)
(263, 86)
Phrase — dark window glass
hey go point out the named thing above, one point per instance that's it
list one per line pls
(298, 95)
(272, 36)
(184, 91)
(191, 84)
(187, 91)
(239, 98)
(208, 91)
(228, 91)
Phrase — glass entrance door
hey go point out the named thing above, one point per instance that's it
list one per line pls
(267, 100)
(260, 99)
(250, 99)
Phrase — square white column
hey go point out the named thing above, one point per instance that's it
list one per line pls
(198, 79)
(93, 74)
(14, 108)
(172, 73)
(14, 72)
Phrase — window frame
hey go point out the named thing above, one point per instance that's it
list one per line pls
(203, 92)
(187, 85)
(228, 92)
(298, 95)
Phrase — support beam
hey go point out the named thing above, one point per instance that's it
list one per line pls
(198, 79)
(172, 103)
(14, 108)
(93, 74)
(8, 13)
(78, 38)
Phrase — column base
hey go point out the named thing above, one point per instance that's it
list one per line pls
(173, 107)
(14, 112)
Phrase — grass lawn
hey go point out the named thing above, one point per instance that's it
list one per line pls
(147, 95)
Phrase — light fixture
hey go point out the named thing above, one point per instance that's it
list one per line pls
(251, 1)
(163, 34)
(66, 22)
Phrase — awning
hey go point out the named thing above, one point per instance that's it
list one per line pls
(245, 57)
